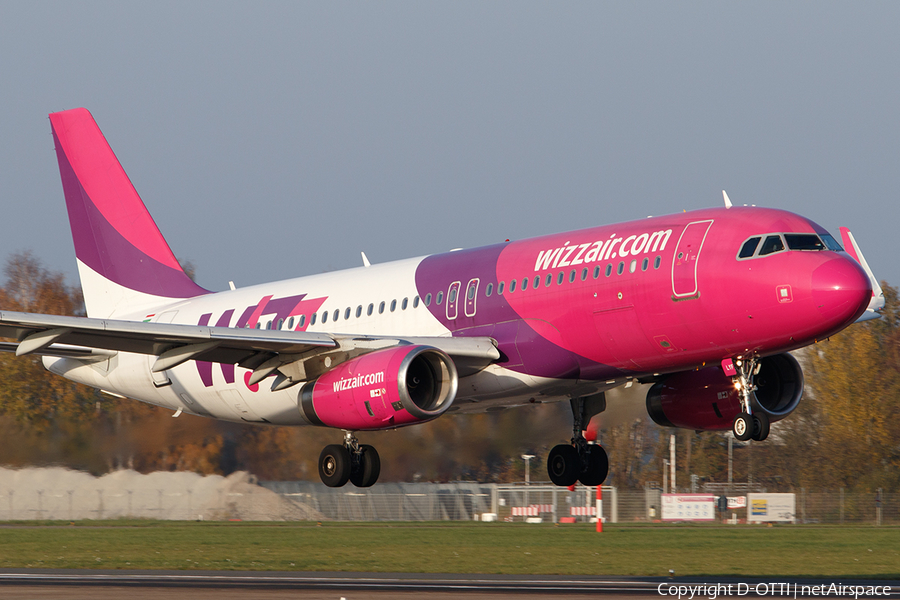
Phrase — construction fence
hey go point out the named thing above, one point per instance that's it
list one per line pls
(62, 494)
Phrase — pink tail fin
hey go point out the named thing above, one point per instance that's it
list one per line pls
(123, 259)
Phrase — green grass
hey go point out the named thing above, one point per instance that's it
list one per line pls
(457, 548)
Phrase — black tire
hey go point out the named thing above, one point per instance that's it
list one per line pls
(597, 466)
(366, 473)
(761, 426)
(563, 465)
(743, 427)
(334, 465)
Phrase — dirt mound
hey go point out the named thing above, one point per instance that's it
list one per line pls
(62, 494)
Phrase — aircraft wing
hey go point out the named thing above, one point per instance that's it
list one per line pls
(299, 355)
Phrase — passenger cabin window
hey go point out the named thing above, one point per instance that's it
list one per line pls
(303, 320)
(381, 308)
(428, 299)
(404, 304)
(749, 247)
(312, 319)
(645, 263)
(559, 278)
(489, 290)
(596, 271)
(549, 279)
(512, 286)
(337, 313)
(440, 298)
(359, 311)
(416, 302)
(347, 313)
(324, 316)
(572, 276)
(657, 261)
(772, 244)
(370, 310)
(537, 281)
(584, 273)
(393, 305)
(803, 241)
(524, 284)
(500, 289)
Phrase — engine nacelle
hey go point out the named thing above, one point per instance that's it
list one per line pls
(707, 399)
(382, 389)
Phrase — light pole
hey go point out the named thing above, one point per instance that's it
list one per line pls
(527, 458)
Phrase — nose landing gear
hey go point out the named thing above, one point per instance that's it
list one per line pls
(580, 460)
(747, 424)
(352, 461)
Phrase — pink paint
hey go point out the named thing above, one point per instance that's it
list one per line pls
(252, 388)
(108, 187)
(260, 307)
(369, 393)
(728, 368)
(656, 319)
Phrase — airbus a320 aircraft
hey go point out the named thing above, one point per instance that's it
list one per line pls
(704, 304)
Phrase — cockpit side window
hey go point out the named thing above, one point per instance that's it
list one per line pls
(831, 243)
(803, 241)
(772, 244)
(749, 247)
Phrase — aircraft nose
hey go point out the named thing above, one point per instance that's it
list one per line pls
(841, 290)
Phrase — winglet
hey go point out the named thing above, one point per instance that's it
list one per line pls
(853, 250)
(727, 199)
(123, 260)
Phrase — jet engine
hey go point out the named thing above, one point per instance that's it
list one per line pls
(707, 400)
(381, 390)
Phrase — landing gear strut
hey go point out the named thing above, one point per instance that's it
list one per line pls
(748, 425)
(352, 461)
(580, 460)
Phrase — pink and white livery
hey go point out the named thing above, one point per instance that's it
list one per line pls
(705, 305)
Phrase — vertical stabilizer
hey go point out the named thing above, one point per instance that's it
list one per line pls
(124, 262)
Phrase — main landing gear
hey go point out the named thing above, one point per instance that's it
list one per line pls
(351, 461)
(580, 460)
(748, 425)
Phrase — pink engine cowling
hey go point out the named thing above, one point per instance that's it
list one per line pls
(707, 400)
(382, 389)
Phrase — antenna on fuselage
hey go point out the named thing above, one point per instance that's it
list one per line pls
(727, 199)
(365, 258)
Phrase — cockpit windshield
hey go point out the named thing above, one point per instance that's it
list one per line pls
(803, 241)
(779, 242)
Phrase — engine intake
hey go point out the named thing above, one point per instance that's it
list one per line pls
(382, 390)
(707, 400)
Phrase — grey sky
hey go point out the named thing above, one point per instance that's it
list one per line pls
(271, 140)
